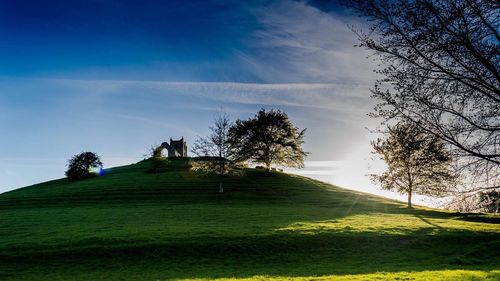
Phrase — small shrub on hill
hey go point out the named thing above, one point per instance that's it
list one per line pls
(159, 162)
(83, 166)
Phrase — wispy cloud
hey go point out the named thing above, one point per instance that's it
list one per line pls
(318, 168)
(334, 97)
(155, 122)
(298, 42)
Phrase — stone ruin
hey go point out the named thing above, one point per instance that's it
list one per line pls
(176, 148)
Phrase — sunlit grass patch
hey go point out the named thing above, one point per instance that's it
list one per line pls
(389, 224)
(441, 275)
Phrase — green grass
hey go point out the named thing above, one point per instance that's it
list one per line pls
(133, 225)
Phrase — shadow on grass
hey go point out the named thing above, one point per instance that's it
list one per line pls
(480, 218)
(286, 254)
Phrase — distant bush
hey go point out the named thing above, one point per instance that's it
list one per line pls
(490, 201)
(82, 166)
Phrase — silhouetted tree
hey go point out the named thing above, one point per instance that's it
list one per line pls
(82, 165)
(213, 151)
(416, 162)
(441, 71)
(490, 201)
(268, 138)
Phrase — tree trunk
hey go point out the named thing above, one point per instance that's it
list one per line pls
(268, 168)
(410, 186)
(221, 187)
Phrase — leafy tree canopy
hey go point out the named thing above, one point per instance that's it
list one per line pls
(268, 138)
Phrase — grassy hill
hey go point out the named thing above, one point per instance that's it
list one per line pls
(133, 225)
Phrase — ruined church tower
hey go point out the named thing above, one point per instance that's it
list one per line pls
(176, 148)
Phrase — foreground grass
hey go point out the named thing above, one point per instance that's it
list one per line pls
(131, 225)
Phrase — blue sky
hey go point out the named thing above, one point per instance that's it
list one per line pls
(116, 76)
(120, 39)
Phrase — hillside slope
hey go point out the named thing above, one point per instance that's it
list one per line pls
(133, 225)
